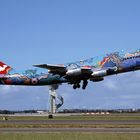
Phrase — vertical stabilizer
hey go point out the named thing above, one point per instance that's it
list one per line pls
(4, 69)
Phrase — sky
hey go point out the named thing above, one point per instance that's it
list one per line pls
(54, 32)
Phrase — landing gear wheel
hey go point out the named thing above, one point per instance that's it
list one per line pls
(78, 85)
(74, 86)
(83, 87)
(85, 83)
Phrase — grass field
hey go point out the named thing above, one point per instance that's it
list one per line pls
(69, 136)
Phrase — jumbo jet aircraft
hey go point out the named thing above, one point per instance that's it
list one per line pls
(93, 69)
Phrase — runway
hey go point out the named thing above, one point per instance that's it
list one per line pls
(63, 122)
(71, 126)
(48, 130)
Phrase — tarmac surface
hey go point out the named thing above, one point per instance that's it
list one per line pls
(45, 130)
(101, 122)
(70, 122)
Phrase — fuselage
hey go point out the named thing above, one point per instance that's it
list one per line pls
(110, 64)
(32, 77)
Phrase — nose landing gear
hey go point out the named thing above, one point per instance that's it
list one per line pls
(75, 86)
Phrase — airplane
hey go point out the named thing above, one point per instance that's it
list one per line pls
(94, 69)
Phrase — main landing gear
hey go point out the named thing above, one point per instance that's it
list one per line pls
(85, 83)
(77, 85)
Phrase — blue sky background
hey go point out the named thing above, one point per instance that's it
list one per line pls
(44, 31)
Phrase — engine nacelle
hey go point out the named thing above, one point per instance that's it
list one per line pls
(98, 79)
(75, 72)
(100, 73)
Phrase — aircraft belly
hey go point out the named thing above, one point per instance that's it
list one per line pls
(128, 64)
(16, 81)
(138, 63)
(35, 81)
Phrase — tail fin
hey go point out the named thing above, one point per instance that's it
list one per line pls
(4, 69)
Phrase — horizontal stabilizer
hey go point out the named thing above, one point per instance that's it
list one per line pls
(3, 76)
(4, 69)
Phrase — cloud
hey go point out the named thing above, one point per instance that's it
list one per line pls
(111, 84)
(130, 97)
(121, 91)
(6, 89)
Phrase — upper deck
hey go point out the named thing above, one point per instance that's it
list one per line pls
(107, 60)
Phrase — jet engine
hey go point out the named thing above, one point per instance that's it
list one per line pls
(75, 72)
(105, 72)
(98, 79)
(100, 73)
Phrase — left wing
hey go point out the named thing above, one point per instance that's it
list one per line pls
(84, 70)
(3, 77)
(61, 69)
(83, 73)
(56, 69)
